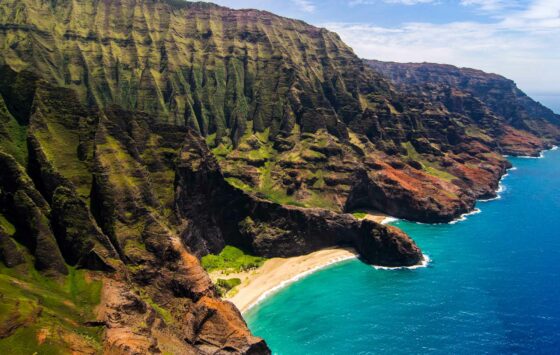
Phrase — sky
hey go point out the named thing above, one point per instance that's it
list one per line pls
(519, 39)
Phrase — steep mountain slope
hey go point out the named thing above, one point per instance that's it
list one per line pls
(292, 114)
(99, 190)
(125, 203)
(138, 135)
(493, 101)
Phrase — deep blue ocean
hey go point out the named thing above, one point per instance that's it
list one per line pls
(493, 285)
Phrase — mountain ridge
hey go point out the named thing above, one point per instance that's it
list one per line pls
(138, 136)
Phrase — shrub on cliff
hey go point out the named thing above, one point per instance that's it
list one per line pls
(231, 259)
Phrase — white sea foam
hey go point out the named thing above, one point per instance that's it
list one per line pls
(498, 196)
(425, 262)
(464, 216)
(501, 187)
(541, 155)
(426, 259)
(297, 277)
(388, 220)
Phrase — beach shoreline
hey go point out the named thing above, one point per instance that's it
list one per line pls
(277, 273)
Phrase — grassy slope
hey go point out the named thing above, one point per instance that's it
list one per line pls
(52, 311)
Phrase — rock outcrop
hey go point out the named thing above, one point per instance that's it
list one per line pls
(519, 125)
(94, 192)
(223, 214)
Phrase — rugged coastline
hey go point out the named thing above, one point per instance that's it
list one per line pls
(137, 137)
(261, 283)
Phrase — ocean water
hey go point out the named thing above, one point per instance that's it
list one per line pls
(492, 287)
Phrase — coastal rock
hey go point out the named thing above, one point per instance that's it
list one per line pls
(231, 216)
(521, 125)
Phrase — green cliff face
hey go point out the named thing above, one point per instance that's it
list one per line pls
(288, 108)
(138, 135)
(192, 64)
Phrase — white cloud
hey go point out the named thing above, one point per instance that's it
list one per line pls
(522, 45)
(305, 5)
(490, 5)
(401, 2)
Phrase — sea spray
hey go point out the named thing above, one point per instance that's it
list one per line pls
(464, 216)
(541, 154)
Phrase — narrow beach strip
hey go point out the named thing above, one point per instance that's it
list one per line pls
(277, 273)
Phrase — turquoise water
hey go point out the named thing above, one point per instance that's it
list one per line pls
(493, 285)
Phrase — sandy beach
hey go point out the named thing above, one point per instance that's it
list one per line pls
(276, 273)
(378, 217)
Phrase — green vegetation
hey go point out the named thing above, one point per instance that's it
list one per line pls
(317, 199)
(226, 285)
(12, 135)
(235, 182)
(476, 132)
(429, 167)
(359, 214)
(231, 259)
(222, 150)
(270, 190)
(48, 311)
(6, 225)
(164, 313)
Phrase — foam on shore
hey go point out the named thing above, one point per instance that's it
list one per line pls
(297, 277)
(388, 220)
(425, 262)
(501, 187)
(464, 216)
(541, 155)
